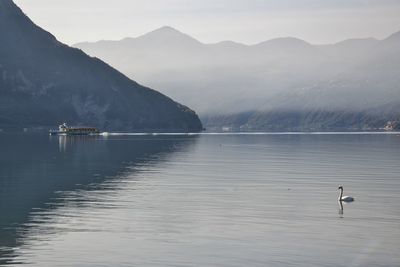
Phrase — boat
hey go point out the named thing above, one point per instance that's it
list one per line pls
(64, 129)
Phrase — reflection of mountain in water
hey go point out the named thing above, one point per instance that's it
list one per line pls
(34, 169)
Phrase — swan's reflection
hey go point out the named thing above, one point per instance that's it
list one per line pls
(341, 210)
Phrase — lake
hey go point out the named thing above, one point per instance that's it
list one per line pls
(199, 200)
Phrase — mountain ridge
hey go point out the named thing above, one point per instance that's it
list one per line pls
(167, 28)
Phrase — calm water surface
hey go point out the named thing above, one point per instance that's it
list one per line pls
(208, 200)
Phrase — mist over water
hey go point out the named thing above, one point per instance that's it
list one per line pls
(207, 200)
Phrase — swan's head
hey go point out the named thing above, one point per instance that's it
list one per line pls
(340, 188)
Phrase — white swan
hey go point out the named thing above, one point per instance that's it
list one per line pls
(344, 198)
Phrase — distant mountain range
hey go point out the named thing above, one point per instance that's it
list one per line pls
(280, 84)
(44, 83)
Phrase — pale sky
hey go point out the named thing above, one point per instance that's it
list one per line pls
(245, 21)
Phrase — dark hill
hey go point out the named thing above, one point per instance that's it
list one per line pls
(44, 82)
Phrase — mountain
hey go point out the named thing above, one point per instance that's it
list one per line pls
(280, 84)
(44, 82)
(348, 50)
(211, 78)
(287, 46)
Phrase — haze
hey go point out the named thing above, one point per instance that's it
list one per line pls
(216, 20)
(292, 83)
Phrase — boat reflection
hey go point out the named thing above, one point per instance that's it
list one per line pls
(64, 141)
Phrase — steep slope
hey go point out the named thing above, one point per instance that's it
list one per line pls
(44, 82)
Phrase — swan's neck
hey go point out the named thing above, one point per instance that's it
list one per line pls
(341, 194)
